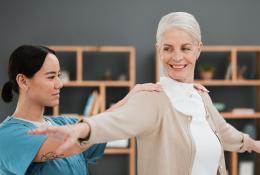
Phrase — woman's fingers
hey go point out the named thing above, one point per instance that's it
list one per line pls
(42, 130)
(200, 87)
(51, 131)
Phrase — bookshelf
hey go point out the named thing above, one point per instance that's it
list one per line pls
(233, 56)
(82, 62)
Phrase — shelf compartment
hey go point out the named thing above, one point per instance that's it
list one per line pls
(106, 65)
(220, 61)
(73, 99)
(114, 94)
(68, 63)
(249, 61)
(116, 164)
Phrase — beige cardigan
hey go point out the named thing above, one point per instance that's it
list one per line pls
(164, 142)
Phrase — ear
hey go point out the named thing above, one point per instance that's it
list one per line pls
(22, 81)
(158, 51)
(199, 49)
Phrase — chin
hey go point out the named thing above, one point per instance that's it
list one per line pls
(53, 104)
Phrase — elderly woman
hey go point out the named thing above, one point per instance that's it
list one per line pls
(178, 131)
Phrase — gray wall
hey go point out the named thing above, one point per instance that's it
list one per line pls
(119, 22)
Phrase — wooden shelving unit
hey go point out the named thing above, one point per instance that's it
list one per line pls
(102, 85)
(232, 51)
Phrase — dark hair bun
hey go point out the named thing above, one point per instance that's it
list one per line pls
(7, 94)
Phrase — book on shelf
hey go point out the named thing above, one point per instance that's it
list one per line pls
(228, 73)
(92, 105)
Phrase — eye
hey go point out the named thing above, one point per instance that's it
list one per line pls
(186, 49)
(51, 77)
(167, 49)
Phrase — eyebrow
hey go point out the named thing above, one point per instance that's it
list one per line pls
(187, 44)
(51, 72)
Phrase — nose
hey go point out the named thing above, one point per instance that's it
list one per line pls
(177, 57)
(58, 83)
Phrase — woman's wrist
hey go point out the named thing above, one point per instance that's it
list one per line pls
(83, 130)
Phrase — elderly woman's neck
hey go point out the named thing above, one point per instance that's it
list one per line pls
(188, 80)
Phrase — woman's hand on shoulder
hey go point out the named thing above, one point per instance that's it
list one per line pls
(200, 87)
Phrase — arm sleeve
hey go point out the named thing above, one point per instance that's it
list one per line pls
(139, 116)
(94, 152)
(233, 140)
(64, 120)
(18, 149)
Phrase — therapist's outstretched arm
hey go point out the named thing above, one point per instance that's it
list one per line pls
(68, 134)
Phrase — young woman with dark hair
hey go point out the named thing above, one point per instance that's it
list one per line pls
(34, 74)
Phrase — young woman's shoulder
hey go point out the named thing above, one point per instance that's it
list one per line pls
(11, 126)
(16, 142)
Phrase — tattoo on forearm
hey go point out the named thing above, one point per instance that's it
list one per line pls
(51, 156)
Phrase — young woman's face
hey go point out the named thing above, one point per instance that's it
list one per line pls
(44, 87)
(178, 52)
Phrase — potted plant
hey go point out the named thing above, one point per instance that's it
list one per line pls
(206, 71)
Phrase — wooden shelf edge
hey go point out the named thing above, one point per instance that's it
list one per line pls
(66, 48)
(230, 115)
(109, 150)
(229, 48)
(229, 82)
(98, 83)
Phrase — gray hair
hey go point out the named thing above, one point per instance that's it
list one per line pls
(182, 20)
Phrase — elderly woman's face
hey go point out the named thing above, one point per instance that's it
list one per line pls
(178, 52)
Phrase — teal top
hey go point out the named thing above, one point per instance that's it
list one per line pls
(18, 149)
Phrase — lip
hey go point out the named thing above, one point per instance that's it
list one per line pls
(56, 94)
(178, 66)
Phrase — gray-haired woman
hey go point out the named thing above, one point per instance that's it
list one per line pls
(178, 131)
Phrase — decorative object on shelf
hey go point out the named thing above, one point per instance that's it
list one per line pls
(108, 75)
(250, 130)
(122, 77)
(118, 144)
(241, 72)
(241, 111)
(64, 76)
(246, 168)
(206, 71)
(220, 106)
